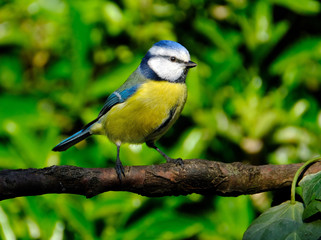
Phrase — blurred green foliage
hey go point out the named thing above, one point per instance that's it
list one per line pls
(254, 97)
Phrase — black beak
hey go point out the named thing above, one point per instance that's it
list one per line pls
(190, 64)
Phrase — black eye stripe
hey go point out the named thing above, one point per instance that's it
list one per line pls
(168, 57)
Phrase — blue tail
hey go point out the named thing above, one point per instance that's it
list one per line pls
(72, 140)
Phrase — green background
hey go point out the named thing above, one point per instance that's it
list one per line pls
(254, 97)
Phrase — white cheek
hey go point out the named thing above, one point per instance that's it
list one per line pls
(165, 69)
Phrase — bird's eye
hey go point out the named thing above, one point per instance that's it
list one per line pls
(173, 59)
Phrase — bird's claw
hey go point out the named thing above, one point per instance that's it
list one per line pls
(120, 170)
(177, 161)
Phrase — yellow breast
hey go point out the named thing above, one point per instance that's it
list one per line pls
(137, 118)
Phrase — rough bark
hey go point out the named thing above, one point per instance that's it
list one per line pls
(195, 176)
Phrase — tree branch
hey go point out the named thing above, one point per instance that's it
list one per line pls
(195, 176)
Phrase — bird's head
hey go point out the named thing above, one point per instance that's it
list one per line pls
(166, 60)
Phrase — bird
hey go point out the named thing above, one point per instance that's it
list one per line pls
(146, 105)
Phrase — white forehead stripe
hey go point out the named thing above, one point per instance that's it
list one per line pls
(181, 53)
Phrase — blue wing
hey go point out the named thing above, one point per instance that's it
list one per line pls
(120, 95)
(117, 97)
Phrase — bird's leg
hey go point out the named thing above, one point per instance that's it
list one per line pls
(177, 161)
(119, 166)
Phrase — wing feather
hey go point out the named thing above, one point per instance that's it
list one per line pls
(117, 97)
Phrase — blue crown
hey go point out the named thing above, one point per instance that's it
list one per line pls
(169, 44)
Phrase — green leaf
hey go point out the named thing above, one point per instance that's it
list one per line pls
(293, 236)
(283, 222)
(311, 209)
(302, 7)
(10, 72)
(310, 231)
(177, 226)
(300, 52)
(311, 194)
(60, 69)
(311, 187)
(279, 222)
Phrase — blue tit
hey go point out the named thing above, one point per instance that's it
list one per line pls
(146, 105)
